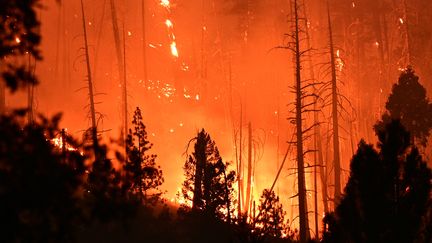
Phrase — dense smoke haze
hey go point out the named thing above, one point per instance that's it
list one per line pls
(222, 64)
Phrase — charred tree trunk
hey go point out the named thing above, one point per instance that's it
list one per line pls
(124, 94)
(90, 88)
(200, 150)
(120, 60)
(304, 226)
(249, 172)
(144, 42)
(335, 116)
(318, 157)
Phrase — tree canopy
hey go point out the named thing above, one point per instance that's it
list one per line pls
(409, 104)
(387, 193)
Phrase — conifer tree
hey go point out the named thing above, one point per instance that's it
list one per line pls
(409, 103)
(143, 176)
(271, 220)
(208, 184)
(387, 193)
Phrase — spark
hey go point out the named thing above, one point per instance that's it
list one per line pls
(17, 40)
(165, 3)
(168, 23)
(174, 51)
(129, 33)
(197, 97)
(401, 20)
(353, 4)
(171, 130)
(377, 43)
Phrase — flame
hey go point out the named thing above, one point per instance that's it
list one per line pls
(165, 3)
(174, 51)
(168, 23)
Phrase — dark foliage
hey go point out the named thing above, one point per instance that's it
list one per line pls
(270, 223)
(105, 197)
(409, 104)
(142, 176)
(39, 184)
(387, 194)
(208, 185)
(19, 38)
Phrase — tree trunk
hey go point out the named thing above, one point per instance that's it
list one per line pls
(249, 174)
(144, 43)
(304, 229)
(90, 88)
(335, 115)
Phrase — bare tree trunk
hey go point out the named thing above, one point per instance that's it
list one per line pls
(304, 227)
(90, 88)
(144, 42)
(249, 174)
(241, 200)
(120, 64)
(124, 94)
(335, 115)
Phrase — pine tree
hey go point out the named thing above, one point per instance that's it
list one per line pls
(143, 176)
(387, 192)
(409, 103)
(208, 185)
(271, 222)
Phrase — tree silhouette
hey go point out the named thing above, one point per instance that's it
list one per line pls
(142, 174)
(270, 223)
(39, 185)
(408, 102)
(105, 195)
(208, 184)
(387, 192)
(19, 36)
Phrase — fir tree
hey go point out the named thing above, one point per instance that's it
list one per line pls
(143, 176)
(408, 103)
(270, 223)
(208, 185)
(387, 193)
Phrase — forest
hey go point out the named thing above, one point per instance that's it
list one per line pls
(215, 121)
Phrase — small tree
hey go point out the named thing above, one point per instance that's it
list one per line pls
(142, 174)
(408, 103)
(208, 185)
(270, 223)
(387, 193)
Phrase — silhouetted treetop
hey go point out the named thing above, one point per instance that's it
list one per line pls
(143, 176)
(208, 184)
(409, 103)
(387, 193)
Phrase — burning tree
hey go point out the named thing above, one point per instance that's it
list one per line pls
(142, 174)
(408, 102)
(208, 185)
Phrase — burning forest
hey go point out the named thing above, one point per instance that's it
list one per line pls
(215, 121)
